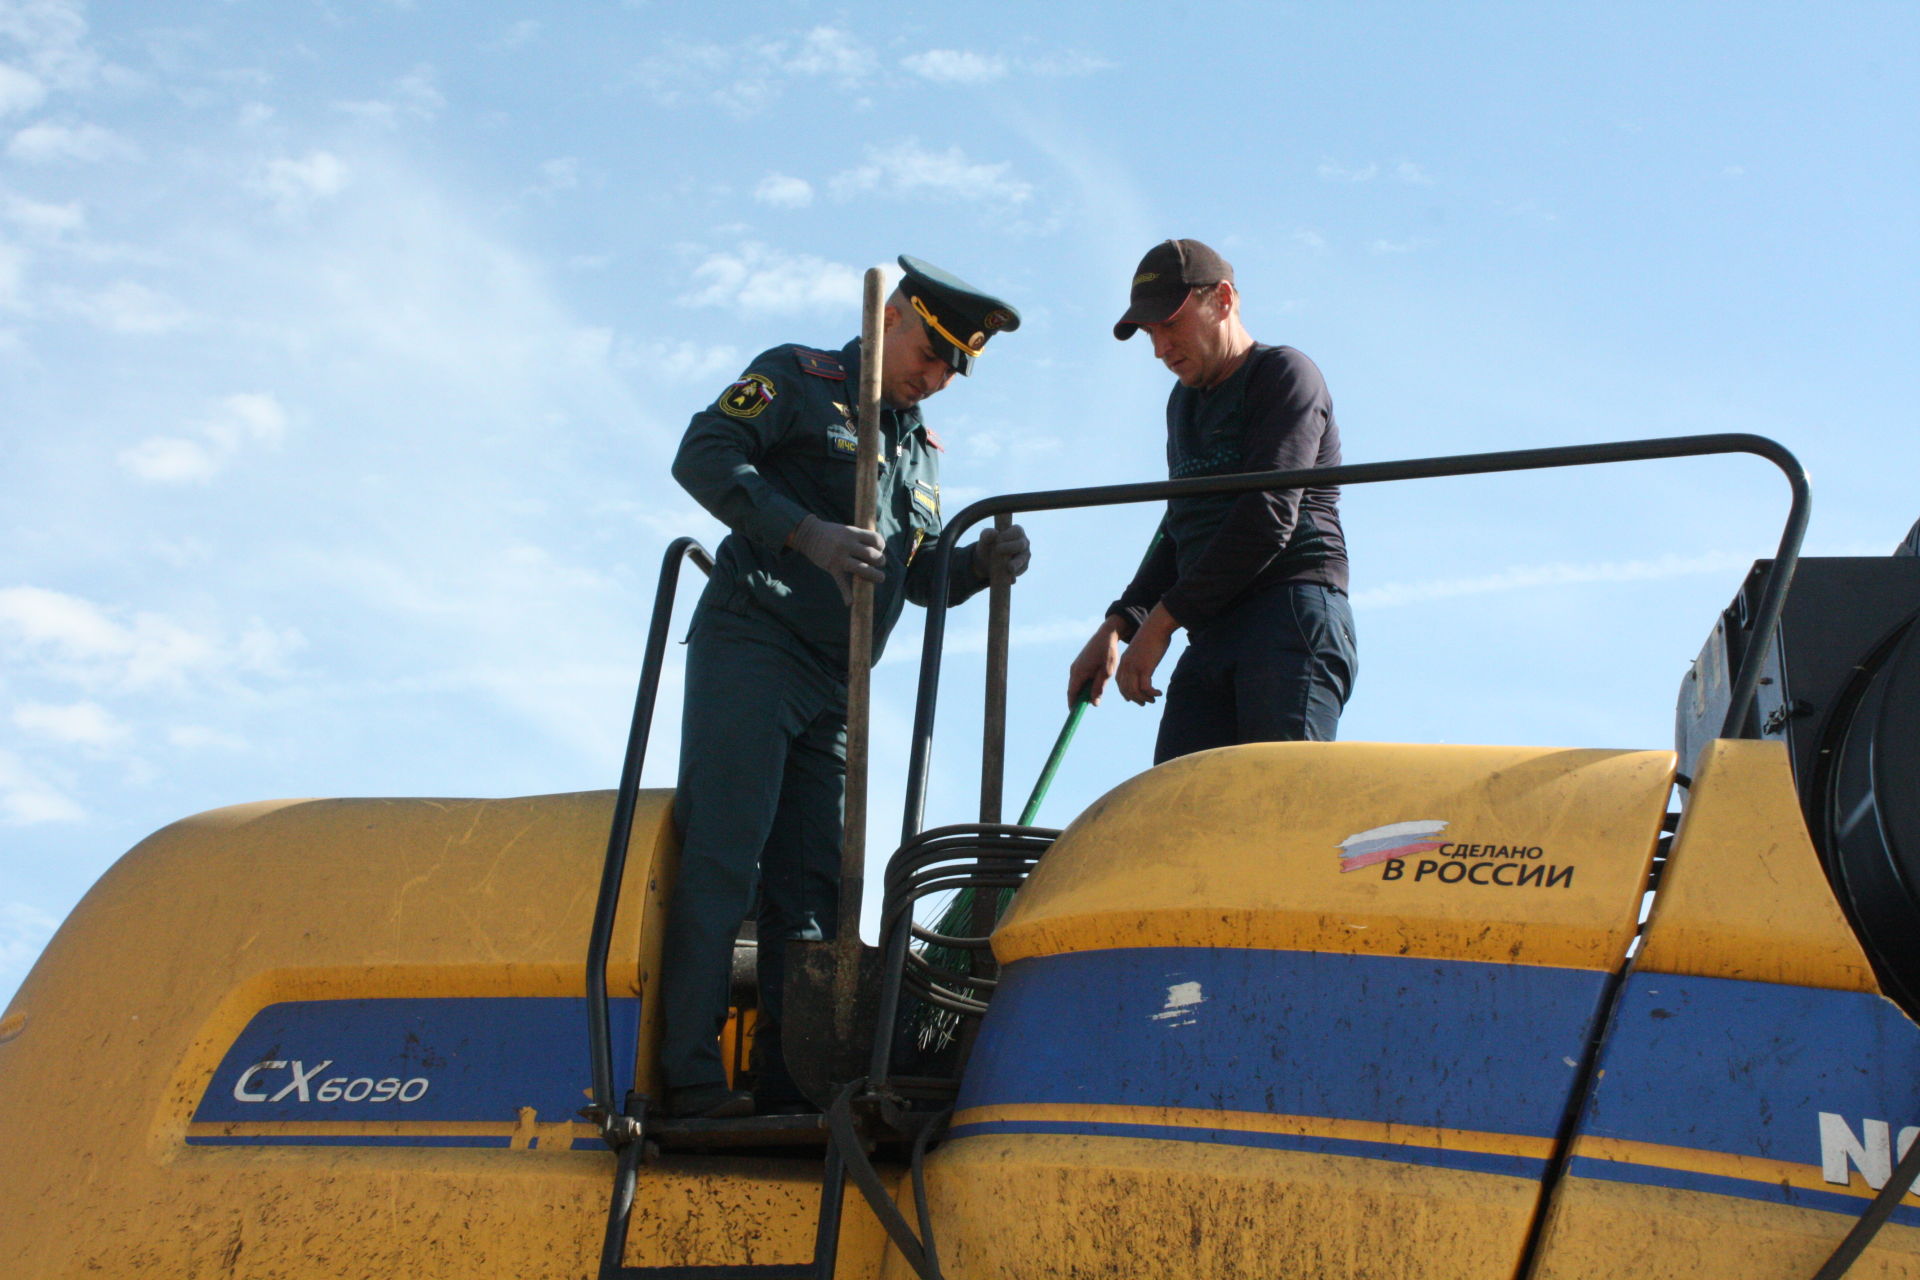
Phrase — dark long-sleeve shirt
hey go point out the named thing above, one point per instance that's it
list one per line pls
(1273, 413)
(777, 446)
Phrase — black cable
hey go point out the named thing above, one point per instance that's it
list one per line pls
(1856, 1240)
(860, 1169)
(918, 1166)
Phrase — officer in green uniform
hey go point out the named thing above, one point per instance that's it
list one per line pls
(763, 735)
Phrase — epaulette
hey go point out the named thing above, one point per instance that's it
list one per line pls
(820, 364)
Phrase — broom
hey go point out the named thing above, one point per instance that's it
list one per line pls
(957, 919)
(935, 1026)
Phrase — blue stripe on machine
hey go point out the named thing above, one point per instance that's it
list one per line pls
(348, 1140)
(1747, 1069)
(1744, 1188)
(445, 1060)
(1468, 1161)
(1449, 1044)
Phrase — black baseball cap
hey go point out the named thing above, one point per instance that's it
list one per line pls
(958, 317)
(1161, 282)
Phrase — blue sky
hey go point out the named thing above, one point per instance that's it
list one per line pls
(343, 348)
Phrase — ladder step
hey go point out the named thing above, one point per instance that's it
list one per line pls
(778, 1271)
(749, 1131)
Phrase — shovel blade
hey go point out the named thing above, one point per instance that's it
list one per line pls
(831, 1006)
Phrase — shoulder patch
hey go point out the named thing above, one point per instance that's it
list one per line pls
(932, 438)
(820, 364)
(747, 398)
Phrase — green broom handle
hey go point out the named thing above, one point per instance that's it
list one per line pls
(1080, 706)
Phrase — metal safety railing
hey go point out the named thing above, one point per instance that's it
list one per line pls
(987, 858)
(1746, 680)
(607, 1110)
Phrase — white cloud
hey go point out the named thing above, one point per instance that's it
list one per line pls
(1401, 171)
(1530, 577)
(828, 51)
(756, 278)
(19, 90)
(195, 737)
(956, 66)
(963, 66)
(516, 35)
(1067, 64)
(51, 34)
(678, 361)
(783, 192)
(78, 640)
(682, 68)
(746, 76)
(415, 97)
(13, 272)
(47, 220)
(47, 142)
(1531, 209)
(86, 724)
(294, 184)
(62, 637)
(909, 170)
(1311, 240)
(559, 174)
(170, 460)
(1339, 173)
(1393, 246)
(247, 417)
(418, 94)
(27, 798)
(243, 419)
(125, 306)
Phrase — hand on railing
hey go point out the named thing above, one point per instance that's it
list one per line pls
(1001, 549)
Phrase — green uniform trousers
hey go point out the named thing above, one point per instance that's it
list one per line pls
(762, 789)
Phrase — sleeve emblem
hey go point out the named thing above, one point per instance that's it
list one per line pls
(749, 397)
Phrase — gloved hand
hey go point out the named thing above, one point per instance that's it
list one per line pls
(843, 551)
(1006, 548)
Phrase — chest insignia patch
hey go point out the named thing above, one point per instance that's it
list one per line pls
(747, 398)
(842, 440)
(927, 497)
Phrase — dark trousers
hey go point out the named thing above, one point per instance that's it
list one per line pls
(763, 766)
(1277, 667)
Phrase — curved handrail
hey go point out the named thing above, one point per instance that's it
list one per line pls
(599, 1033)
(1746, 681)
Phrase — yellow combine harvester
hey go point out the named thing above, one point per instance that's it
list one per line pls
(1295, 1010)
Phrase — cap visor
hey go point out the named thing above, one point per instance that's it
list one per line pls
(956, 359)
(1148, 311)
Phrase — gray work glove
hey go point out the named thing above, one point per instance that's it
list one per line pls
(843, 551)
(1006, 548)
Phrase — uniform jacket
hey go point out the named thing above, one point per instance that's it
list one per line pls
(778, 445)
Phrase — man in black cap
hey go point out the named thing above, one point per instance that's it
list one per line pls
(763, 737)
(1259, 580)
